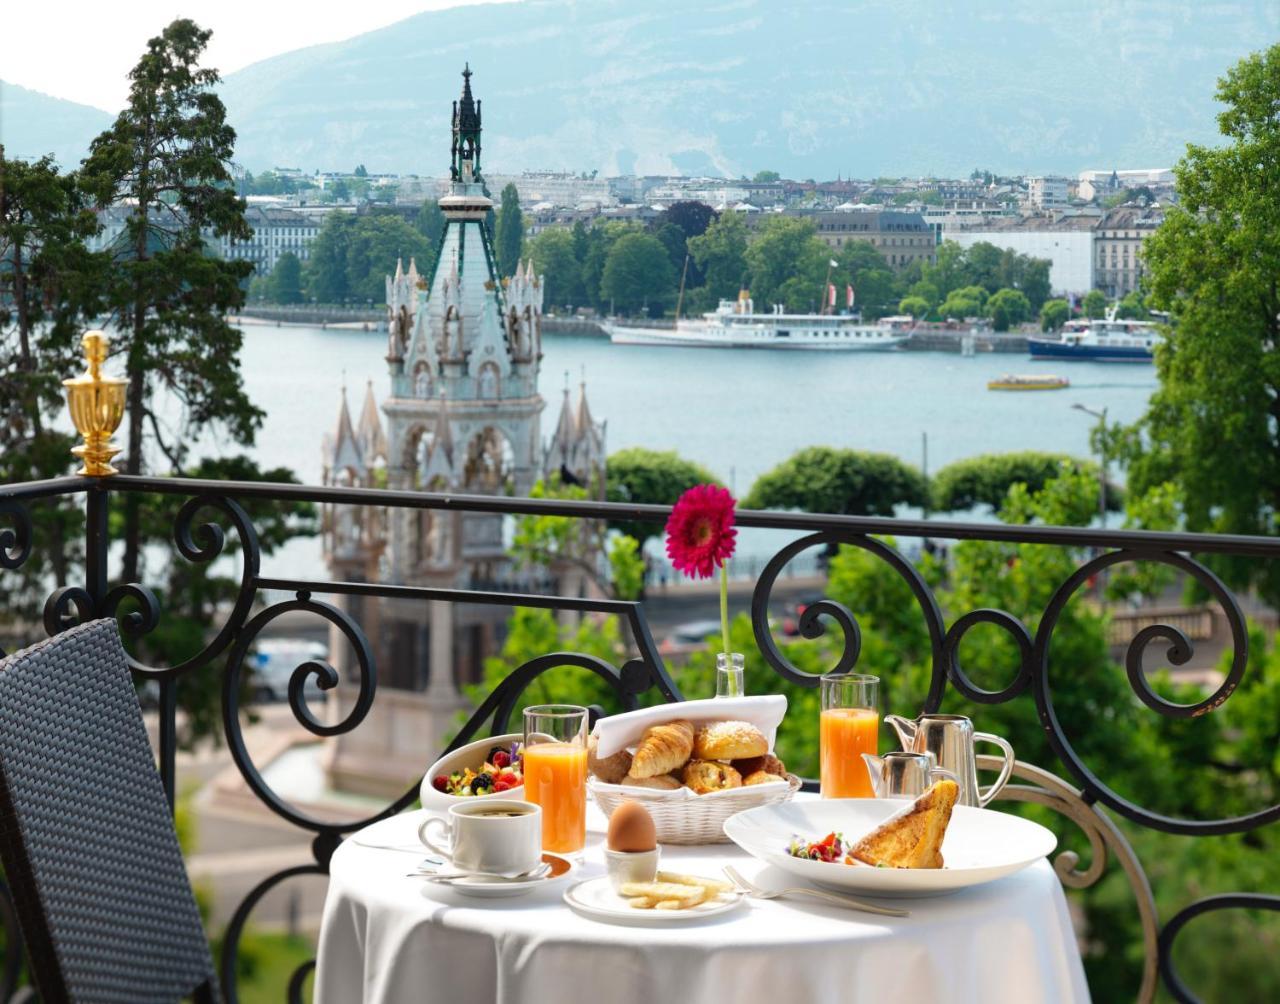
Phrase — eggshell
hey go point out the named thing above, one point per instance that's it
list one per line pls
(631, 828)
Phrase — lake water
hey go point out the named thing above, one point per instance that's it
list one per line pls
(737, 412)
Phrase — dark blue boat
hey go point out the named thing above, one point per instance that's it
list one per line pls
(1100, 341)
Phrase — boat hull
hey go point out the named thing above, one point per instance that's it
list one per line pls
(1046, 349)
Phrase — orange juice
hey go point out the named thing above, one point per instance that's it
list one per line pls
(844, 734)
(555, 777)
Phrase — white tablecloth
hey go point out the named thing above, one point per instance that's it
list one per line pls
(388, 939)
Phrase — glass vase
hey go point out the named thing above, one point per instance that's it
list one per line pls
(730, 671)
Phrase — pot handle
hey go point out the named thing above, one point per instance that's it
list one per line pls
(1005, 771)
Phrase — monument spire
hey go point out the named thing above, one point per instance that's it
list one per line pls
(466, 134)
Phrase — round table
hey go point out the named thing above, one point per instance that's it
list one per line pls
(387, 939)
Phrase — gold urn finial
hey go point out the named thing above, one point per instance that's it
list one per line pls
(96, 403)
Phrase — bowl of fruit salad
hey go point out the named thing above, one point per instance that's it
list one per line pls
(486, 768)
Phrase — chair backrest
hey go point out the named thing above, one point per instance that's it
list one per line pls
(86, 837)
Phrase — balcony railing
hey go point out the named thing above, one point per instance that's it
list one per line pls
(1082, 796)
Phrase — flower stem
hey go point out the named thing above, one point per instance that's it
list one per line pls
(724, 605)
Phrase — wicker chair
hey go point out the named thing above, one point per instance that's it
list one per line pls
(86, 837)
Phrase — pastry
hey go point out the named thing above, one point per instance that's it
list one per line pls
(662, 749)
(767, 763)
(761, 777)
(729, 741)
(911, 839)
(611, 769)
(704, 776)
(663, 782)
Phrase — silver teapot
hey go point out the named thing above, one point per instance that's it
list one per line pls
(951, 738)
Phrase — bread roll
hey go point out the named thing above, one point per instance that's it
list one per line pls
(610, 770)
(663, 782)
(705, 776)
(768, 763)
(761, 777)
(729, 741)
(663, 748)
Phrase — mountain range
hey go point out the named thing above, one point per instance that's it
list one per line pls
(728, 87)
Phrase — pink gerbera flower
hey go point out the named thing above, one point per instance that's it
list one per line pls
(700, 533)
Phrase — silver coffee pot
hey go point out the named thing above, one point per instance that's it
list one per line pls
(951, 738)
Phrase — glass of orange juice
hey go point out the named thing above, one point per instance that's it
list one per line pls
(848, 727)
(555, 773)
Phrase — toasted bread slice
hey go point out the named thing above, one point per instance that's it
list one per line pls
(912, 839)
(685, 895)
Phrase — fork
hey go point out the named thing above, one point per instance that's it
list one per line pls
(755, 892)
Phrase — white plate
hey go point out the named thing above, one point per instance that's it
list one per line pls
(596, 899)
(981, 845)
(562, 869)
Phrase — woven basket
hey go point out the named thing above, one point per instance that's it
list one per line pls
(679, 819)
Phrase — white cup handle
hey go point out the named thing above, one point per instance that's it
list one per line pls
(424, 835)
(1005, 771)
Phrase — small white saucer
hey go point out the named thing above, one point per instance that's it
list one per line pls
(562, 869)
(596, 899)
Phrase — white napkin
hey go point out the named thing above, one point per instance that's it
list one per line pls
(618, 732)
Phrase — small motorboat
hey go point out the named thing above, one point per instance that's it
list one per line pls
(1028, 381)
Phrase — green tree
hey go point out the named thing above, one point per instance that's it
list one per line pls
(787, 263)
(508, 238)
(720, 254)
(552, 255)
(1006, 308)
(48, 287)
(1054, 314)
(327, 266)
(968, 301)
(926, 291)
(1094, 304)
(1213, 265)
(284, 285)
(1132, 307)
(916, 306)
(650, 477)
(828, 480)
(860, 265)
(591, 247)
(374, 244)
(430, 222)
(360, 171)
(765, 177)
(637, 273)
(167, 157)
(987, 478)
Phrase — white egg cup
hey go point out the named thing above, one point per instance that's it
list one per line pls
(631, 866)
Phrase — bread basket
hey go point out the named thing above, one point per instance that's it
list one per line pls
(681, 817)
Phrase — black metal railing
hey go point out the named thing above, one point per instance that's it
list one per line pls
(221, 506)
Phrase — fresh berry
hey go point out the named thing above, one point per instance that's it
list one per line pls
(504, 783)
(501, 759)
(496, 751)
(440, 783)
(481, 782)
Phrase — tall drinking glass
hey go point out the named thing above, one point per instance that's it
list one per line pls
(555, 773)
(848, 727)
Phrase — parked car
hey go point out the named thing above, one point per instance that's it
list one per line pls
(690, 635)
(273, 662)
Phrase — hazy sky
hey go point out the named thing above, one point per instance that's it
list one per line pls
(83, 50)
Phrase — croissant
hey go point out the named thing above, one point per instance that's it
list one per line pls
(663, 748)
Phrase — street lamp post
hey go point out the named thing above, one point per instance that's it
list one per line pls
(1101, 416)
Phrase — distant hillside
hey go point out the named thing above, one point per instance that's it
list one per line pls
(33, 124)
(811, 89)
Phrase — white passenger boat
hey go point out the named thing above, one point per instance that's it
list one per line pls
(735, 324)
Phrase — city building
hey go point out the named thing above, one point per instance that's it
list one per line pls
(1045, 192)
(1067, 244)
(1100, 184)
(901, 237)
(464, 351)
(559, 188)
(1118, 243)
(275, 231)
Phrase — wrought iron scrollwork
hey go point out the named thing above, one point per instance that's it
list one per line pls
(1179, 653)
(1012, 627)
(1210, 904)
(812, 627)
(15, 541)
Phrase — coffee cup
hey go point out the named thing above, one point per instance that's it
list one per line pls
(492, 836)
